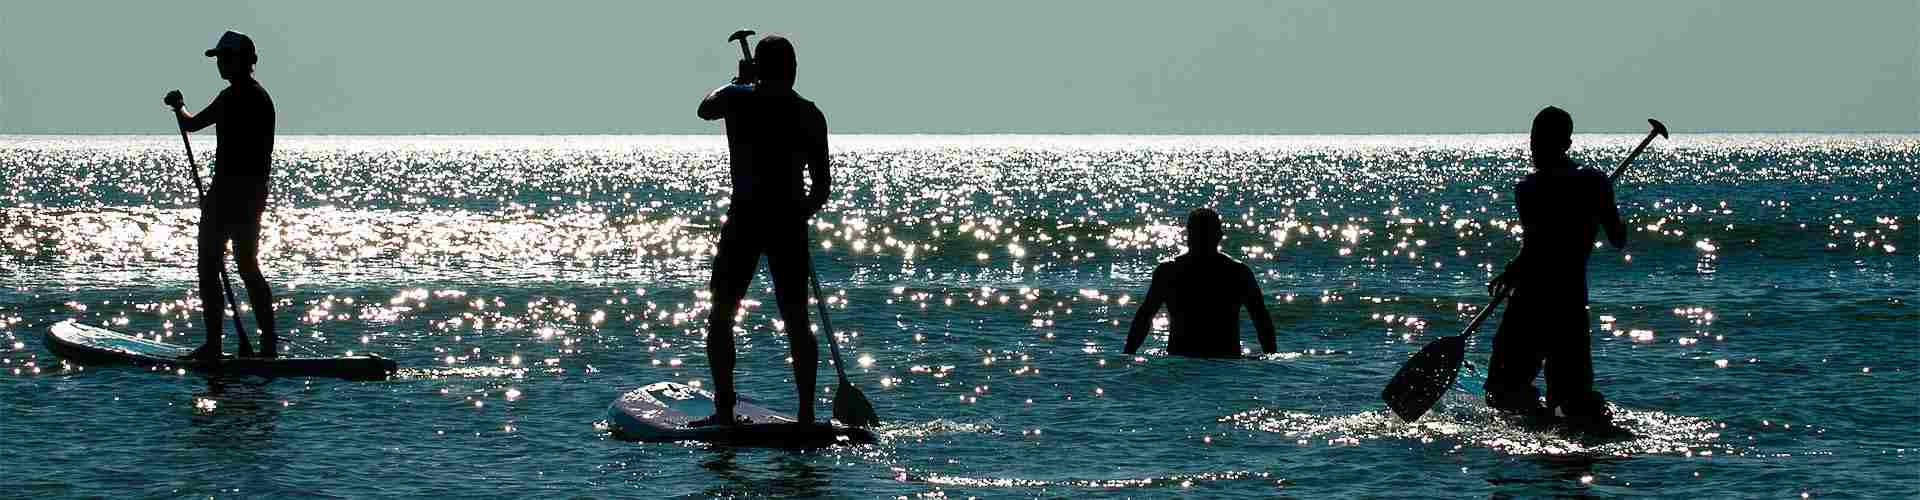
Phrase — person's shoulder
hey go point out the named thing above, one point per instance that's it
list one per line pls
(811, 108)
(1235, 266)
(1528, 181)
(1173, 265)
(250, 88)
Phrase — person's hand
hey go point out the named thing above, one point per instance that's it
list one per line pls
(746, 73)
(174, 100)
(1501, 284)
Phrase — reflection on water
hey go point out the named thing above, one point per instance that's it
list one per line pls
(981, 285)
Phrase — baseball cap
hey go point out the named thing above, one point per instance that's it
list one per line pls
(232, 43)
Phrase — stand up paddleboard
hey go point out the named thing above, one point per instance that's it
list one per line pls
(662, 411)
(94, 345)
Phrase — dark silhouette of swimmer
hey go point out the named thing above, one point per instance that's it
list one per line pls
(1203, 291)
(243, 117)
(772, 134)
(1562, 207)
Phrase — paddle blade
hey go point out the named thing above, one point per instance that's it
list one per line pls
(851, 407)
(1425, 378)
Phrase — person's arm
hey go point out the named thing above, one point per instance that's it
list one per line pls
(817, 167)
(1149, 307)
(1256, 303)
(714, 107)
(194, 122)
(1502, 283)
(1609, 217)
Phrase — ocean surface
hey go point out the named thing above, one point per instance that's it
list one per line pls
(1760, 335)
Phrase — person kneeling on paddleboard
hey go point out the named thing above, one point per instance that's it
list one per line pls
(1203, 291)
(772, 134)
(1562, 207)
(243, 113)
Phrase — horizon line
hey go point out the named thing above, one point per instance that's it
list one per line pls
(979, 134)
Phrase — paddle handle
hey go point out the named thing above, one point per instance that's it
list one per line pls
(226, 282)
(826, 323)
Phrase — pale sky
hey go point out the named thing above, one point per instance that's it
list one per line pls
(989, 66)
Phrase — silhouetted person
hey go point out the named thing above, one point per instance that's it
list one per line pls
(1562, 207)
(1203, 291)
(772, 134)
(243, 118)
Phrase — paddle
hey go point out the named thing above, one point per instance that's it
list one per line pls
(226, 283)
(1429, 373)
(850, 406)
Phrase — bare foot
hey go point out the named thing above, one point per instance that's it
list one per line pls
(207, 353)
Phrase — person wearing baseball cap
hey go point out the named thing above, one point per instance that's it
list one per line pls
(243, 117)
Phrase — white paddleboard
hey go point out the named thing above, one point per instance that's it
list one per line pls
(664, 411)
(90, 344)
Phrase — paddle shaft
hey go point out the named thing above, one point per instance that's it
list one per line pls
(226, 283)
(1635, 154)
(826, 324)
(1484, 314)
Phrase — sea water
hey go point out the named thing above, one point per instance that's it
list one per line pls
(1758, 335)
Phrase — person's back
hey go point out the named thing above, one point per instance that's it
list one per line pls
(1561, 210)
(1203, 291)
(1203, 310)
(770, 133)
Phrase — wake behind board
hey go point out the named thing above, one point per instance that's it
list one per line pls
(94, 345)
(662, 411)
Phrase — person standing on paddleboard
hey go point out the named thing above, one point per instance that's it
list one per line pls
(772, 134)
(1203, 291)
(1562, 207)
(243, 116)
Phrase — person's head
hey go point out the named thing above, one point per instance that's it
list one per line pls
(774, 56)
(1552, 135)
(1203, 230)
(234, 54)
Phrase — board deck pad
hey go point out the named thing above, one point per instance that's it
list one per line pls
(662, 412)
(89, 344)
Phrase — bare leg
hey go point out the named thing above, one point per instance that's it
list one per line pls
(211, 257)
(733, 266)
(1516, 360)
(788, 261)
(246, 256)
(1570, 367)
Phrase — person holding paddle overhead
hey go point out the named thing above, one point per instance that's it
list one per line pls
(1562, 207)
(1203, 291)
(772, 134)
(243, 113)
